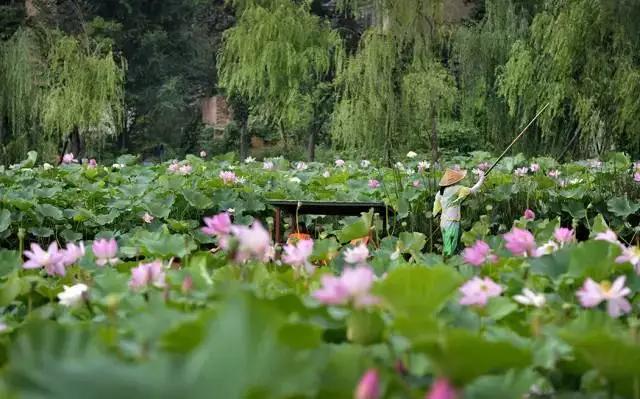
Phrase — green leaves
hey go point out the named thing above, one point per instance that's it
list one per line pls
(418, 290)
(5, 219)
(621, 206)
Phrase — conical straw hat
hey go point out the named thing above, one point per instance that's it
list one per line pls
(452, 177)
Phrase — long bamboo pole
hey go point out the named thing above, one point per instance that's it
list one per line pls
(516, 139)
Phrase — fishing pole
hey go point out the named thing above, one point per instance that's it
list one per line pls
(516, 139)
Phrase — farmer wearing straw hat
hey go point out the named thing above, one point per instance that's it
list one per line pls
(448, 201)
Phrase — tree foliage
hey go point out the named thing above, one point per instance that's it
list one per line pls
(276, 57)
(582, 58)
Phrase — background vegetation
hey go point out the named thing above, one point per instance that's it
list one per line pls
(367, 77)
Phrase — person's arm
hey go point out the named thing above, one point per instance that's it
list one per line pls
(465, 191)
(437, 205)
(477, 186)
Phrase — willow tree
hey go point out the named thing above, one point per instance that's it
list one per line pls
(277, 57)
(397, 62)
(582, 58)
(480, 50)
(57, 88)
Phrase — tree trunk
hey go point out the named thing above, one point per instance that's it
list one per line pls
(243, 141)
(434, 137)
(283, 136)
(76, 142)
(311, 148)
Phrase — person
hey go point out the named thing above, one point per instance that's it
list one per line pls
(448, 200)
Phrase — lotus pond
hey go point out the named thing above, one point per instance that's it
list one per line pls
(162, 281)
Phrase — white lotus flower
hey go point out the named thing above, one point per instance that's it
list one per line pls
(530, 298)
(411, 154)
(72, 296)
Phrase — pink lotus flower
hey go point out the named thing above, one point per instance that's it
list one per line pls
(369, 386)
(423, 165)
(68, 158)
(353, 285)
(72, 253)
(554, 173)
(253, 242)
(630, 254)
(298, 255)
(105, 251)
(477, 291)
(484, 166)
(356, 255)
(228, 177)
(147, 274)
(479, 254)
(147, 218)
(529, 214)
(592, 294)
(520, 242)
(92, 163)
(373, 184)
(534, 167)
(217, 225)
(416, 183)
(442, 389)
(203, 154)
(521, 171)
(51, 259)
(339, 163)
(173, 167)
(636, 177)
(609, 236)
(185, 169)
(268, 165)
(636, 166)
(564, 235)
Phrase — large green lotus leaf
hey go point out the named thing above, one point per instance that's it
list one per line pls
(5, 220)
(464, 355)
(411, 242)
(41, 231)
(595, 259)
(345, 366)
(553, 265)
(512, 384)
(418, 289)
(164, 244)
(9, 261)
(197, 199)
(357, 229)
(621, 206)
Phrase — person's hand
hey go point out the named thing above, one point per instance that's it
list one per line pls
(481, 176)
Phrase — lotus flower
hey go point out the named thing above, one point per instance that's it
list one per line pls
(72, 253)
(147, 218)
(630, 254)
(423, 165)
(105, 251)
(147, 274)
(249, 160)
(369, 386)
(547, 249)
(530, 298)
(326, 174)
(636, 177)
(521, 171)
(399, 165)
(479, 254)
(554, 173)
(353, 285)
(529, 214)
(484, 166)
(339, 163)
(563, 235)
(442, 389)
(74, 295)
(268, 165)
(477, 291)
(520, 242)
(357, 255)
(227, 176)
(373, 183)
(298, 255)
(411, 154)
(203, 154)
(534, 167)
(592, 294)
(253, 242)
(217, 225)
(92, 163)
(185, 169)
(68, 158)
(609, 235)
(172, 168)
(301, 166)
(52, 259)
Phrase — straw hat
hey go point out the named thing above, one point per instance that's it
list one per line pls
(451, 177)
